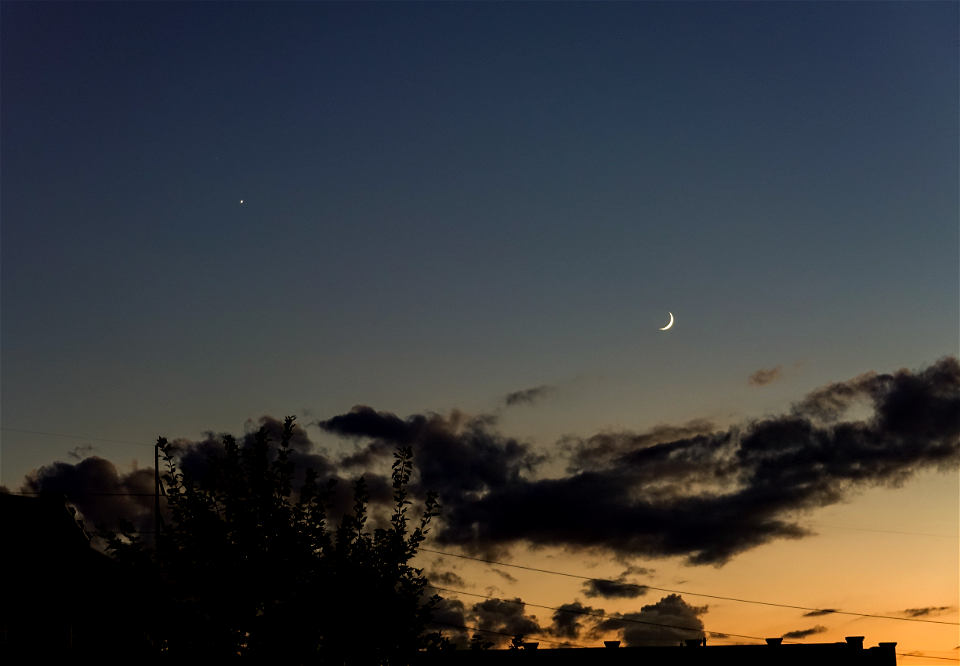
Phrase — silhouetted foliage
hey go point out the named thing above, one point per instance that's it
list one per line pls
(516, 642)
(244, 570)
(477, 643)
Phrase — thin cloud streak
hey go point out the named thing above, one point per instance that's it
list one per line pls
(528, 396)
(804, 633)
(765, 376)
(928, 611)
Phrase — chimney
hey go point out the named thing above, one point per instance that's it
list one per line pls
(774, 641)
(611, 644)
(855, 641)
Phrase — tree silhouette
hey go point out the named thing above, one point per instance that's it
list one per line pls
(242, 569)
(477, 643)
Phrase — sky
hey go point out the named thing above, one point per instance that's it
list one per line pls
(461, 226)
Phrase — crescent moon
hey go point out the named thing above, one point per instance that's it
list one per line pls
(670, 324)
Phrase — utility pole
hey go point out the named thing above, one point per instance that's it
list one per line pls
(156, 499)
(157, 522)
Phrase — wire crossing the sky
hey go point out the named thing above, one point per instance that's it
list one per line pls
(693, 594)
(624, 619)
(601, 615)
(556, 573)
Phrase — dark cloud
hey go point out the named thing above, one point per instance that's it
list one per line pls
(192, 455)
(765, 376)
(570, 619)
(503, 574)
(363, 421)
(666, 622)
(110, 492)
(508, 617)
(460, 456)
(693, 490)
(101, 493)
(929, 610)
(192, 458)
(604, 449)
(619, 588)
(612, 590)
(447, 578)
(450, 618)
(80, 452)
(505, 616)
(818, 613)
(528, 396)
(379, 450)
(803, 633)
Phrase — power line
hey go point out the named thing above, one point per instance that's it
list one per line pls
(867, 529)
(622, 583)
(692, 594)
(578, 612)
(623, 619)
(765, 603)
(924, 656)
(57, 434)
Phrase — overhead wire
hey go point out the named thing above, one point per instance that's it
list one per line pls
(625, 584)
(557, 573)
(600, 615)
(925, 656)
(656, 624)
(94, 439)
(692, 594)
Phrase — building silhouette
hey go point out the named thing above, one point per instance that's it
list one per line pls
(58, 593)
(693, 653)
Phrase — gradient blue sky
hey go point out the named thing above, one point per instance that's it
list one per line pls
(444, 203)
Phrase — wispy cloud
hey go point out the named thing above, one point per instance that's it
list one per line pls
(528, 396)
(447, 578)
(81, 452)
(803, 633)
(503, 574)
(926, 611)
(765, 376)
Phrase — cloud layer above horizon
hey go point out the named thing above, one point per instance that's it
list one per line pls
(694, 490)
